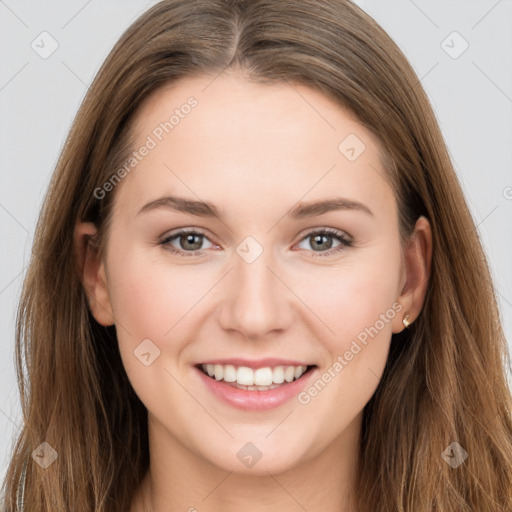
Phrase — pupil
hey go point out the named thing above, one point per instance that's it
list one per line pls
(318, 240)
(189, 239)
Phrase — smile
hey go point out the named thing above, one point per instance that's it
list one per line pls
(265, 386)
(259, 379)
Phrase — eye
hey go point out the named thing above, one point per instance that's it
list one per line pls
(323, 239)
(189, 241)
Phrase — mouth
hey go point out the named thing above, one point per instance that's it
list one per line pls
(255, 379)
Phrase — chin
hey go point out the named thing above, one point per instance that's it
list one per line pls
(257, 458)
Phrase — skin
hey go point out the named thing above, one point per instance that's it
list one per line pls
(254, 151)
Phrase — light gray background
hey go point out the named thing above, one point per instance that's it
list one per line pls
(471, 94)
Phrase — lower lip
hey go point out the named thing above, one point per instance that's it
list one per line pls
(255, 400)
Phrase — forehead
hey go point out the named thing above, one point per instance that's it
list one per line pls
(255, 142)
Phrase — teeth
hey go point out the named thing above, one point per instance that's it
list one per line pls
(260, 379)
(289, 373)
(229, 373)
(219, 372)
(245, 376)
(278, 375)
(263, 376)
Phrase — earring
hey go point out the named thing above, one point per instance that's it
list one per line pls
(406, 322)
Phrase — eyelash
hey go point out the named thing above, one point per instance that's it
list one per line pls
(344, 241)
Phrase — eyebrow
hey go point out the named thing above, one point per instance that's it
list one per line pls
(301, 210)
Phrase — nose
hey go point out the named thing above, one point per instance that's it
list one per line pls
(256, 301)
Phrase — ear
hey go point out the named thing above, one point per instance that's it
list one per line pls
(91, 271)
(416, 273)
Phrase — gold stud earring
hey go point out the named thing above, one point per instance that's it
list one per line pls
(406, 322)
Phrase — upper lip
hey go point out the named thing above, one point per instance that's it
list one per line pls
(256, 363)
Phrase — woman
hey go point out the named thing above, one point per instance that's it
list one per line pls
(329, 339)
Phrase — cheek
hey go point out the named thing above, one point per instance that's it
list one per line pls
(358, 304)
(154, 299)
(150, 298)
(354, 294)
(151, 295)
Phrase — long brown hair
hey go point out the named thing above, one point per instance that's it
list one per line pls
(445, 378)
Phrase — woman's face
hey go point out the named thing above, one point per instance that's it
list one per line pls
(256, 286)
